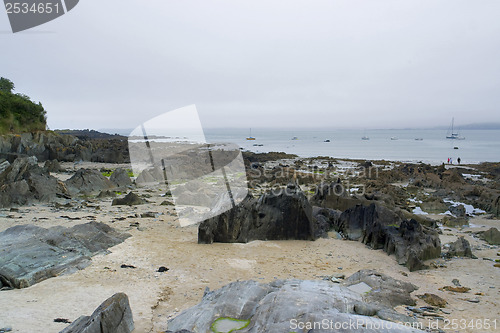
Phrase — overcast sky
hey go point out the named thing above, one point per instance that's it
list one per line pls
(321, 63)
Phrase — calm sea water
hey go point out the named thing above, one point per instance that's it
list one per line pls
(478, 146)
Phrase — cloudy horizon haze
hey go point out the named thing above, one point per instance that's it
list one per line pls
(337, 64)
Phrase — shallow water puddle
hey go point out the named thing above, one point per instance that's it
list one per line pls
(227, 325)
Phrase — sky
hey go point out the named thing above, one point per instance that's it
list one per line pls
(290, 64)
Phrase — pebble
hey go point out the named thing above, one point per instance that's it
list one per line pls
(6, 329)
(473, 300)
(445, 311)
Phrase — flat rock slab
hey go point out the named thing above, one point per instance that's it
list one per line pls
(284, 306)
(112, 316)
(30, 254)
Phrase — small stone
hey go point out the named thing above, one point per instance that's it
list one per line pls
(473, 300)
(456, 282)
(433, 300)
(62, 320)
(6, 329)
(127, 266)
(162, 269)
(445, 311)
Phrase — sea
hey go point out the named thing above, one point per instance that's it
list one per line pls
(431, 147)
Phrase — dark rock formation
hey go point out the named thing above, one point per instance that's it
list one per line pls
(112, 316)
(120, 178)
(491, 236)
(31, 254)
(24, 181)
(458, 210)
(130, 199)
(380, 228)
(277, 306)
(334, 196)
(460, 248)
(287, 215)
(52, 166)
(50, 145)
(88, 181)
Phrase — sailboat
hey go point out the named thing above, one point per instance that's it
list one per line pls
(454, 135)
(250, 137)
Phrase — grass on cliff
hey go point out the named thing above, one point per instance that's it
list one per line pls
(18, 113)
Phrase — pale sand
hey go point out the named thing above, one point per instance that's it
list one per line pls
(156, 297)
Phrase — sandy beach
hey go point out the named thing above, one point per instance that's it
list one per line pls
(155, 297)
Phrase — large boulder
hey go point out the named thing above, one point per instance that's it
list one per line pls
(285, 306)
(381, 228)
(52, 166)
(287, 215)
(460, 248)
(112, 316)
(24, 181)
(31, 254)
(88, 181)
(491, 236)
(120, 178)
(131, 199)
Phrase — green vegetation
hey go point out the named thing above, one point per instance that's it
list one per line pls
(18, 113)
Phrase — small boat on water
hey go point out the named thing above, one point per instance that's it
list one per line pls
(250, 137)
(394, 138)
(327, 140)
(452, 134)
(365, 138)
(295, 138)
(419, 139)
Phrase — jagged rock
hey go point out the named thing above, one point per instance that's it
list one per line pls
(460, 248)
(433, 205)
(131, 199)
(31, 254)
(279, 305)
(491, 236)
(387, 290)
(112, 316)
(120, 178)
(87, 181)
(381, 228)
(458, 211)
(52, 166)
(24, 181)
(454, 222)
(287, 215)
(325, 219)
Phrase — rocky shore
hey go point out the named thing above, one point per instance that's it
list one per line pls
(377, 242)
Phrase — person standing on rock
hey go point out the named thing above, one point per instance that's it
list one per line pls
(458, 160)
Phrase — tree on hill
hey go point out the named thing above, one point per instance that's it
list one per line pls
(18, 113)
(6, 85)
